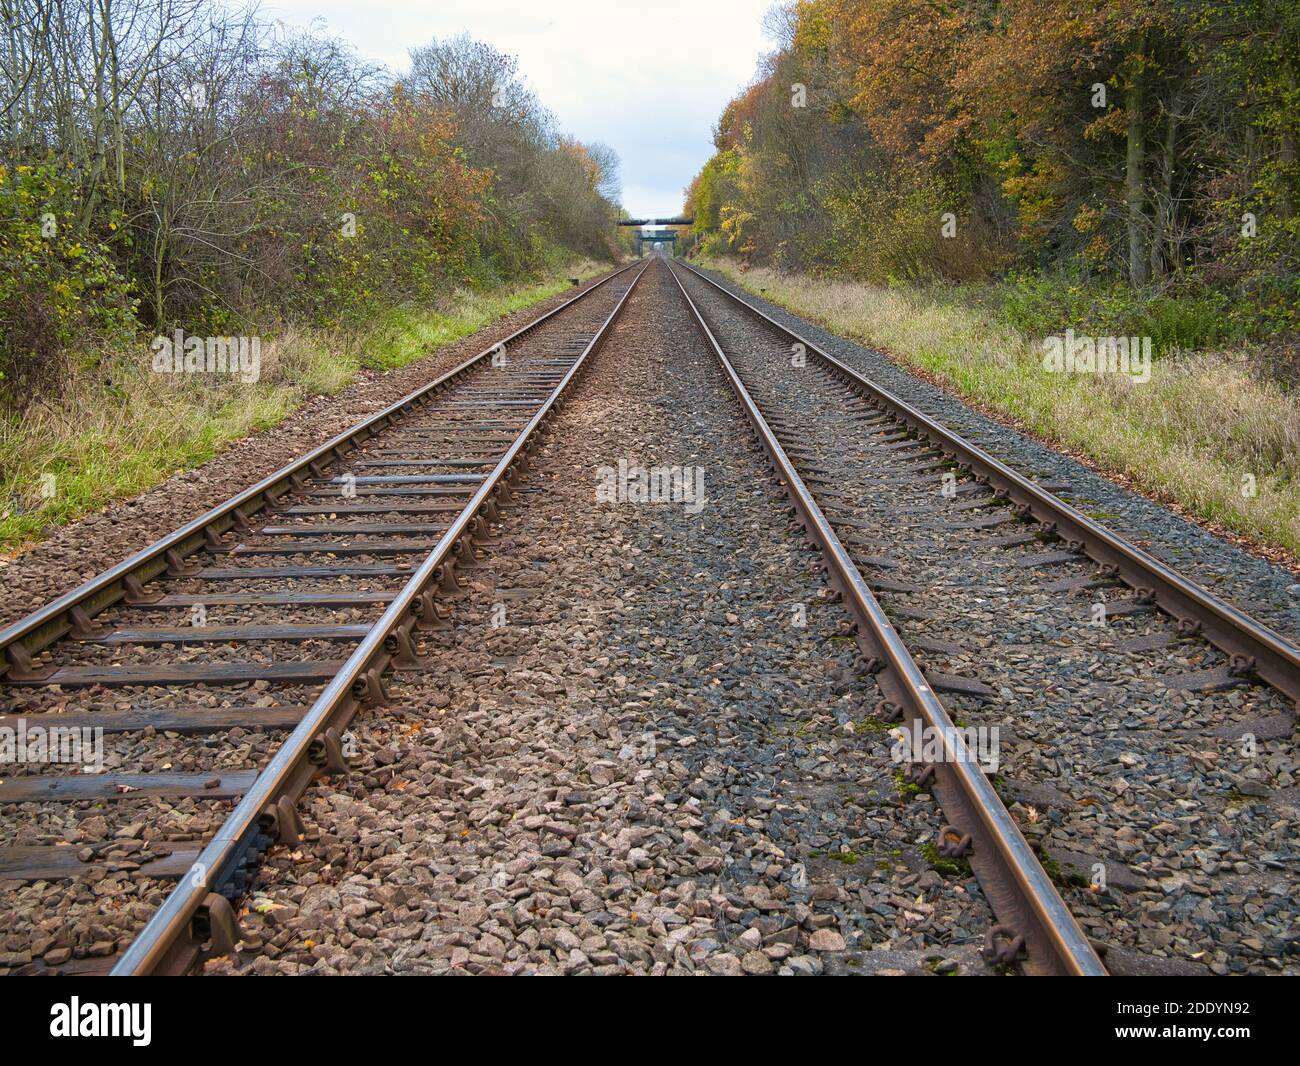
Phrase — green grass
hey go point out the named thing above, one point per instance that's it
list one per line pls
(405, 334)
(123, 430)
(1196, 434)
(1037, 305)
(954, 867)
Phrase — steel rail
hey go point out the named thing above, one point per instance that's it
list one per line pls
(1254, 649)
(194, 910)
(25, 638)
(1022, 895)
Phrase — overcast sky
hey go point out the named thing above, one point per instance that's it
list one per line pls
(648, 79)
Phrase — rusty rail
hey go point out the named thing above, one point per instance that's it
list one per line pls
(1030, 911)
(197, 918)
(1254, 649)
(22, 640)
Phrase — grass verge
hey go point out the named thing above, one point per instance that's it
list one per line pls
(124, 429)
(1204, 433)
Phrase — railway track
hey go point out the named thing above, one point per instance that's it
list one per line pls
(280, 610)
(982, 569)
(226, 661)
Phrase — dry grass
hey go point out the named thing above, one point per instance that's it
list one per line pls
(124, 429)
(103, 441)
(1196, 434)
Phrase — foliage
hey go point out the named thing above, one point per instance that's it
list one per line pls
(54, 284)
(211, 172)
(1149, 145)
(1046, 304)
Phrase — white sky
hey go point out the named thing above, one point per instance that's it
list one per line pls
(648, 79)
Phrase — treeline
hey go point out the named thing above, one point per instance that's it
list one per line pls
(1148, 142)
(173, 163)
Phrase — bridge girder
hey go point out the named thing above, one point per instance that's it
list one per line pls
(657, 222)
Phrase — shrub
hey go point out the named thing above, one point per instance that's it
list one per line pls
(57, 290)
(1186, 319)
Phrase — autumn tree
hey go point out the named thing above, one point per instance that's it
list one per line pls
(174, 163)
(1153, 141)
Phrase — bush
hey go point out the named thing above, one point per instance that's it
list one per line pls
(57, 291)
(1040, 305)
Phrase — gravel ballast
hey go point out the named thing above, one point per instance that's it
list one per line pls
(643, 744)
(626, 756)
(1261, 588)
(83, 549)
(1170, 834)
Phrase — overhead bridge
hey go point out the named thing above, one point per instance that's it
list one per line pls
(657, 222)
(660, 237)
(642, 239)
